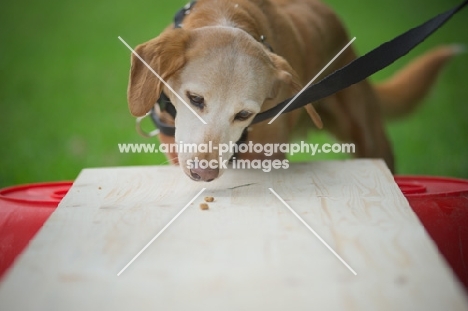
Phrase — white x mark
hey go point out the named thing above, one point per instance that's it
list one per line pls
(313, 231)
(313, 79)
(162, 80)
(159, 233)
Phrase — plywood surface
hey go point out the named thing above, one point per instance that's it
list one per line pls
(247, 252)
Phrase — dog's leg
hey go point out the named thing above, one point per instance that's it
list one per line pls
(354, 115)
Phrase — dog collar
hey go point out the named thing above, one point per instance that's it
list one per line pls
(164, 104)
(180, 15)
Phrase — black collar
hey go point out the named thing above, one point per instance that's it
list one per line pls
(164, 104)
(180, 15)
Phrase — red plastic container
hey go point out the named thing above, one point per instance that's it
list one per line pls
(23, 211)
(441, 205)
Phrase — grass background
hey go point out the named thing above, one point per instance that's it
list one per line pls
(64, 73)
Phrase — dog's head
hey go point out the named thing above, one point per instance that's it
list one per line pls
(222, 73)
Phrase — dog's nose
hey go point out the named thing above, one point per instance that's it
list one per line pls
(200, 174)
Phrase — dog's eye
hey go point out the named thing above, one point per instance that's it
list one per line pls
(242, 115)
(196, 100)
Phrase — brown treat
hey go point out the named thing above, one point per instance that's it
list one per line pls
(209, 199)
(204, 206)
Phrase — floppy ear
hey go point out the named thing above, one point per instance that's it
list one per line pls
(165, 55)
(285, 75)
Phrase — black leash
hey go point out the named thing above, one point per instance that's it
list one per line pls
(364, 66)
(356, 71)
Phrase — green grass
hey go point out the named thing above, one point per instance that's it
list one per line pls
(64, 77)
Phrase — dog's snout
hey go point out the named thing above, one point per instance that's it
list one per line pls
(200, 174)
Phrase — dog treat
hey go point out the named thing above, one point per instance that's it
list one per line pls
(204, 206)
(209, 199)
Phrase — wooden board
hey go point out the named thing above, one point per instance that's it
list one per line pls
(247, 252)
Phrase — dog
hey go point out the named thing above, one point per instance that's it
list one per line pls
(232, 59)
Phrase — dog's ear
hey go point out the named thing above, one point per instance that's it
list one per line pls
(285, 75)
(165, 55)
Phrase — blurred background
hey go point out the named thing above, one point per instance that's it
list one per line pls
(64, 75)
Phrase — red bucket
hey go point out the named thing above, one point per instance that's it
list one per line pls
(23, 211)
(441, 205)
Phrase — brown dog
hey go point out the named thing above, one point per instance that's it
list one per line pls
(220, 63)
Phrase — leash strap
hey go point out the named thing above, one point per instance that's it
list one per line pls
(364, 66)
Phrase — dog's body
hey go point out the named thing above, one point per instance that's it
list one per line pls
(218, 63)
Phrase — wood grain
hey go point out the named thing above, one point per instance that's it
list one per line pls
(247, 252)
